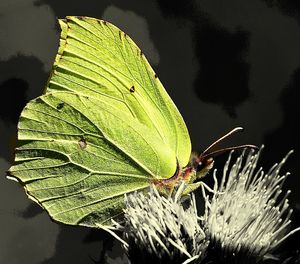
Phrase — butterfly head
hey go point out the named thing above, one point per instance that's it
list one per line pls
(200, 165)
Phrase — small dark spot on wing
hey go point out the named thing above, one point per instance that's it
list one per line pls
(82, 143)
(60, 106)
(132, 89)
(228, 220)
(155, 76)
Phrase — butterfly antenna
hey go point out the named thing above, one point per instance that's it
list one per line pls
(221, 151)
(221, 139)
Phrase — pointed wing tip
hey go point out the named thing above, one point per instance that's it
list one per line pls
(64, 21)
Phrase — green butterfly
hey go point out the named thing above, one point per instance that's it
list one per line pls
(104, 127)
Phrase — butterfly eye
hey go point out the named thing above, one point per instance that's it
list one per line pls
(205, 162)
(200, 166)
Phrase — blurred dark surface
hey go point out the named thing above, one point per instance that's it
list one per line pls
(224, 63)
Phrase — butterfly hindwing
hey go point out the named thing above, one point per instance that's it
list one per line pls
(77, 159)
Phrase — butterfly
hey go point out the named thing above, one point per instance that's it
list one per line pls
(104, 127)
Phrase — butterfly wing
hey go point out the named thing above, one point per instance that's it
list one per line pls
(105, 127)
(95, 57)
(78, 157)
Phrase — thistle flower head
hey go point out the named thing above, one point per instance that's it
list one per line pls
(247, 217)
(161, 230)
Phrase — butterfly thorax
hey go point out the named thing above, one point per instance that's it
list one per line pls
(196, 169)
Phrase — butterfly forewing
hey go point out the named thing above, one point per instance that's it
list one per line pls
(98, 58)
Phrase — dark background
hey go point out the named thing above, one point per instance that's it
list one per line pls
(225, 64)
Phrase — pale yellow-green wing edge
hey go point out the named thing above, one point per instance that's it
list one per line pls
(150, 103)
(72, 157)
